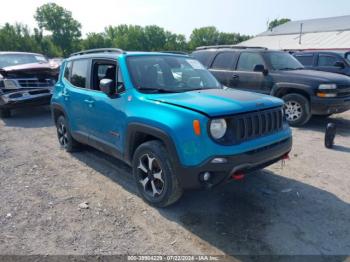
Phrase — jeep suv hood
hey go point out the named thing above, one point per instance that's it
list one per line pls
(218, 102)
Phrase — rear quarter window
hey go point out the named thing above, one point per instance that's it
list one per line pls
(67, 70)
(79, 73)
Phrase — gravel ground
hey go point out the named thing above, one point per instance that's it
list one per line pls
(301, 207)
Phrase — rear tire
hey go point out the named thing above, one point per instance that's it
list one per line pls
(64, 136)
(297, 109)
(5, 113)
(154, 176)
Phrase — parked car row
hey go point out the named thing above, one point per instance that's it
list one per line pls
(305, 92)
(181, 122)
(335, 61)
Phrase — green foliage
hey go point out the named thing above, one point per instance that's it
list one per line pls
(59, 34)
(175, 42)
(95, 40)
(59, 21)
(211, 36)
(17, 38)
(277, 22)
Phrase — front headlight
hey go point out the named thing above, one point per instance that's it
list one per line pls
(218, 128)
(10, 84)
(327, 86)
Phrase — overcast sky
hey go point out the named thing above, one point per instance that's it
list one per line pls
(179, 16)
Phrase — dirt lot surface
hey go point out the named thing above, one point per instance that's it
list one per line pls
(301, 208)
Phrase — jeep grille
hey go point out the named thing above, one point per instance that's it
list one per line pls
(251, 125)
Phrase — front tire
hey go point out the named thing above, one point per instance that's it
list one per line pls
(154, 175)
(64, 136)
(297, 109)
(5, 113)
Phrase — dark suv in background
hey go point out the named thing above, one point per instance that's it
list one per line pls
(305, 92)
(329, 61)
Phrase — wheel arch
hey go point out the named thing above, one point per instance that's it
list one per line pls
(282, 89)
(138, 133)
(57, 111)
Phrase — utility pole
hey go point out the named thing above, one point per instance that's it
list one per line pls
(301, 32)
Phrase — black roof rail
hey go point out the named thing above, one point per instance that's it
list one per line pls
(174, 52)
(230, 46)
(99, 50)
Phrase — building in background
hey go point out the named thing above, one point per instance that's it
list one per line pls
(331, 33)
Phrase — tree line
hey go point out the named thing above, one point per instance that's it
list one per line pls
(58, 34)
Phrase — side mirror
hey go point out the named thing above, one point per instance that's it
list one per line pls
(107, 86)
(260, 68)
(339, 64)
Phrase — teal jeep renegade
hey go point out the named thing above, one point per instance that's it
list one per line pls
(167, 117)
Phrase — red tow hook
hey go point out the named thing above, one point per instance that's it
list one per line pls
(239, 175)
(285, 157)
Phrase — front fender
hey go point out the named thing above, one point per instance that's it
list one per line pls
(278, 88)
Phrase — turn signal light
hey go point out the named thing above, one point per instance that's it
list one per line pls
(197, 127)
(323, 94)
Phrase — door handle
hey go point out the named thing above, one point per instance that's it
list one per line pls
(235, 76)
(89, 101)
(65, 94)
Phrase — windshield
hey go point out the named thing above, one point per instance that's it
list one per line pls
(283, 61)
(19, 59)
(169, 73)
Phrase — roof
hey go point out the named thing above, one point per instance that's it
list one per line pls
(339, 23)
(114, 55)
(323, 33)
(326, 40)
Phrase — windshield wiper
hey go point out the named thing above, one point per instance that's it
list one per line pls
(291, 68)
(287, 68)
(155, 89)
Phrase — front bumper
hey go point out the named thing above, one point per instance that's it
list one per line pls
(326, 106)
(245, 162)
(25, 98)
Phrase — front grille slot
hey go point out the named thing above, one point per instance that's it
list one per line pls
(247, 126)
(35, 83)
(38, 92)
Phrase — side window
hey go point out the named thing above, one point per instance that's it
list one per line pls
(326, 60)
(203, 56)
(79, 73)
(120, 82)
(67, 70)
(223, 61)
(103, 70)
(247, 61)
(306, 60)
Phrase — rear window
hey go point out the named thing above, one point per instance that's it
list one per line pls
(79, 73)
(306, 59)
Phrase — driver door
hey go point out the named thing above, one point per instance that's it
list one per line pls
(107, 112)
